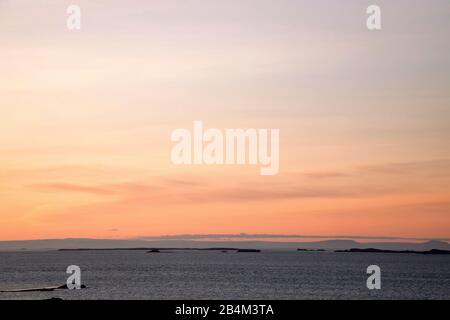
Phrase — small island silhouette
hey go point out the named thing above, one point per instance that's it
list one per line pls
(61, 287)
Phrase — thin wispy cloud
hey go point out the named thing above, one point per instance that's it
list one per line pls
(68, 187)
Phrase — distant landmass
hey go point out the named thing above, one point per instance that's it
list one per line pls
(372, 250)
(56, 244)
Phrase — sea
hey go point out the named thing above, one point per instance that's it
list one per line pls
(192, 274)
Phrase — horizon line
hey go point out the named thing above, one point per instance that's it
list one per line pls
(229, 237)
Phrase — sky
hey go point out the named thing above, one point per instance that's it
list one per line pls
(86, 117)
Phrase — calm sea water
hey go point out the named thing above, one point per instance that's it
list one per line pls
(217, 275)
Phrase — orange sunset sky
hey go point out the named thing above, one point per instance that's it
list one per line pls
(86, 118)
